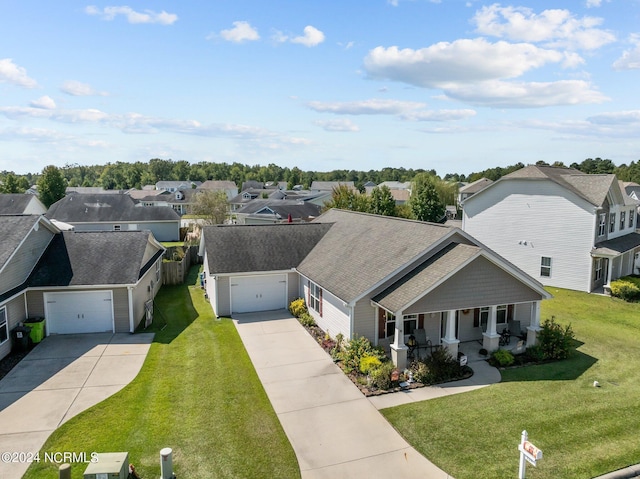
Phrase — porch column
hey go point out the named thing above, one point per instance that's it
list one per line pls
(534, 327)
(450, 341)
(491, 339)
(398, 348)
(609, 264)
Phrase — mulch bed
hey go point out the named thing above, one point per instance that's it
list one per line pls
(8, 362)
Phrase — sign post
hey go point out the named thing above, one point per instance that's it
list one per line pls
(528, 453)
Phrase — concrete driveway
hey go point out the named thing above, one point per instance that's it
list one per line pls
(335, 431)
(61, 377)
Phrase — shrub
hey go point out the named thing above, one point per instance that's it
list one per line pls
(307, 320)
(534, 354)
(381, 376)
(297, 307)
(420, 372)
(555, 340)
(356, 349)
(368, 363)
(440, 367)
(627, 288)
(502, 357)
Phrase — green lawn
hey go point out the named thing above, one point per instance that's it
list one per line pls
(583, 431)
(196, 393)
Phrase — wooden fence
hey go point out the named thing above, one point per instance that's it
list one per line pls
(175, 269)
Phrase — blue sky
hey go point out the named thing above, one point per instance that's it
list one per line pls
(455, 86)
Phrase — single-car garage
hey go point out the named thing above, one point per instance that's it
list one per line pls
(79, 312)
(258, 293)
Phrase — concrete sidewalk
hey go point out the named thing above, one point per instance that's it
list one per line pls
(335, 431)
(61, 377)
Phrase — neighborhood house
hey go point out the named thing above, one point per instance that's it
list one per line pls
(374, 276)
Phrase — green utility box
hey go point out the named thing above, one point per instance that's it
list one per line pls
(37, 329)
(108, 465)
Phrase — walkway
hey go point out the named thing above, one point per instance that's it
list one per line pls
(335, 431)
(60, 378)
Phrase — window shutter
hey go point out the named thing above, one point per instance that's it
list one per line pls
(476, 318)
(510, 312)
(382, 324)
(421, 321)
(308, 293)
(320, 300)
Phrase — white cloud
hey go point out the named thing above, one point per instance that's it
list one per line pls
(148, 16)
(341, 124)
(502, 94)
(76, 88)
(461, 61)
(365, 107)
(12, 73)
(594, 3)
(241, 32)
(629, 117)
(312, 37)
(630, 59)
(439, 115)
(556, 28)
(44, 102)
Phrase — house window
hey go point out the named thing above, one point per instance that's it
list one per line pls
(4, 327)
(630, 218)
(158, 270)
(602, 224)
(116, 227)
(315, 298)
(545, 266)
(622, 220)
(598, 270)
(501, 314)
(612, 222)
(390, 324)
(410, 323)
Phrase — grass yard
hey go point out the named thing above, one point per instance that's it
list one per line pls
(582, 430)
(196, 393)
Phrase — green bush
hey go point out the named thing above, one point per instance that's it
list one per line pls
(381, 376)
(306, 320)
(421, 372)
(368, 363)
(627, 288)
(502, 357)
(555, 340)
(297, 307)
(354, 350)
(534, 354)
(440, 367)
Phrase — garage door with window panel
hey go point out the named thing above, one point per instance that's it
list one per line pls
(258, 293)
(79, 312)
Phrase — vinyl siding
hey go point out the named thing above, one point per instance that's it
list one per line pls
(364, 320)
(292, 287)
(553, 222)
(335, 316)
(223, 296)
(169, 231)
(16, 313)
(121, 310)
(480, 283)
(20, 265)
(142, 293)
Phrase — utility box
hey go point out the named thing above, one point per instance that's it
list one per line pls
(109, 465)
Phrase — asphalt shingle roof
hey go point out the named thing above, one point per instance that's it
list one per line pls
(79, 208)
(360, 250)
(297, 209)
(14, 204)
(618, 245)
(14, 229)
(273, 247)
(92, 258)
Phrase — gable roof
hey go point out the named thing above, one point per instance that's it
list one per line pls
(361, 250)
(79, 208)
(281, 208)
(218, 185)
(19, 203)
(71, 259)
(330, 185)
(475, 186)
(272, 247)
(15, 229)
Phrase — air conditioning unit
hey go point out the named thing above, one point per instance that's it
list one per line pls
(108, 465)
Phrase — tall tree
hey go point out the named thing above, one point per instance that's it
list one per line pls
(10, 184)
(51, 186)
(346, 198)
(211, 206)
(382, 202)
(425, 203)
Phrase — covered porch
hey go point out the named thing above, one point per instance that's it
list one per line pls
(613, 259)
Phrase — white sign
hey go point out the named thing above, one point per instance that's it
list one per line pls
(528, 453)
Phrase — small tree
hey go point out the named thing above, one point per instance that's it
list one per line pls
(211, 206)
(382, 201)
(555, 340)
(425, 203)
(345, 198)
(51, 186)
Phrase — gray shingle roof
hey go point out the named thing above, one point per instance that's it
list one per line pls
(360, 250)
(79, 208)
(475, 186)
(425, 276)
(246, 248)
(14, 204)
(297, 209)
(92, 258)
(617, 245)
(14, 229)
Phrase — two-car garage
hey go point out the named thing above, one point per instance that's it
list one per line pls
(79, 312)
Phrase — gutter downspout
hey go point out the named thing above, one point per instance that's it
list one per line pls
(130, 298)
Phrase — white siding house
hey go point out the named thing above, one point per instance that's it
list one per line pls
(563, 227)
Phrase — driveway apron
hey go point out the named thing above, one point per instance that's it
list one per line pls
(335, 431)
(61, 377)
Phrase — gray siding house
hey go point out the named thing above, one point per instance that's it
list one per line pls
(375, 276)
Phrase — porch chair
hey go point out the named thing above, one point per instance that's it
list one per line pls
(515, 329)
(422, 341)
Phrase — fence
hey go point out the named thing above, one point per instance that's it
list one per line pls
(176, 267)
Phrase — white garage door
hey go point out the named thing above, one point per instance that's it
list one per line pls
(82, 312)
(258, 293)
